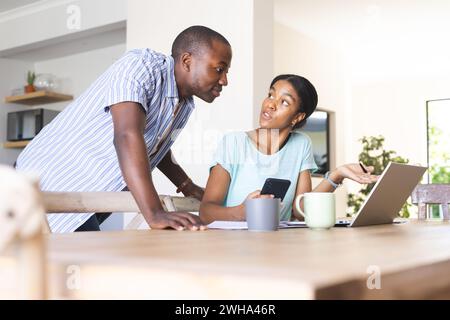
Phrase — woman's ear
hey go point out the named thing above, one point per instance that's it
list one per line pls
(186, 60)
(298, 118)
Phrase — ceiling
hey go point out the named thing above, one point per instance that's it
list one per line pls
(344, 21)
(379, 34)
(6, 5)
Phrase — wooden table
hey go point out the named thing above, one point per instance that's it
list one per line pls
(413, 260)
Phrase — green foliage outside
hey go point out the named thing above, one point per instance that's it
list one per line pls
(373, 154)
(440, 162)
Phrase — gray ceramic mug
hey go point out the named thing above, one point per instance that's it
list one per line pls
(262, 214)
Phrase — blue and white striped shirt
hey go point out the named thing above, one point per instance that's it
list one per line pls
(75, 152)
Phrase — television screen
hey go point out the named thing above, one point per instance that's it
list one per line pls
(317, 128)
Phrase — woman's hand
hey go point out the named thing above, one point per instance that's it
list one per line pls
(257, 194)
(239, 215)
(354, 172)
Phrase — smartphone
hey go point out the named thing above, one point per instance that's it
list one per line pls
(277, 187)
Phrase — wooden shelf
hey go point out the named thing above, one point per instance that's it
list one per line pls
(16, 144)
(38, 97)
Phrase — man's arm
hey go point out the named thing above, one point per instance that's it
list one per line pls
(129, 125)
(173, 171)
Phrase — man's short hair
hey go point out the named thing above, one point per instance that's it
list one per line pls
(194, 39)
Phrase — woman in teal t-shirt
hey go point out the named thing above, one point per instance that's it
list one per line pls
(244, 160)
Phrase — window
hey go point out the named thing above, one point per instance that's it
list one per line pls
(438, 145)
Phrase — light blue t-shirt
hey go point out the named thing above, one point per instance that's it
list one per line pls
(249, 168)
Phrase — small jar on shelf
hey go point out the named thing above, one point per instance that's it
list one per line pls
(46, 82)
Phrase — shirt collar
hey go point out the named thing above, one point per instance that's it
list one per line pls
(171, 84)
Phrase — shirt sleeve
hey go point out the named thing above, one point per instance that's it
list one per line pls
(224, 155)
(308, 162)
(128, 81)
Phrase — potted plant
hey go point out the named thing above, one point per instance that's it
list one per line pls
(31, 76)
(373, 154)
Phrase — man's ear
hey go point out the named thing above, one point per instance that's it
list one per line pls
(186, 60)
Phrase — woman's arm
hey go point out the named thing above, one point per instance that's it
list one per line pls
(325, 186)
(211, 208)
(351, 171)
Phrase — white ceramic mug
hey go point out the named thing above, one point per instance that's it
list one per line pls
(320, 209)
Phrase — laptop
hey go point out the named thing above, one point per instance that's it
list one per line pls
(387, 197)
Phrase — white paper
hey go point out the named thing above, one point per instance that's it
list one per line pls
(292, 224)
(228, 225)
(242, 225)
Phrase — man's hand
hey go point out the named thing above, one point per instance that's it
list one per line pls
(193, 190)
(176, 220)
(170, 168)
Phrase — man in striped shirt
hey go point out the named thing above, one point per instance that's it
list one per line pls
(122, 127)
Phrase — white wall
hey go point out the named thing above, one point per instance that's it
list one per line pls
(13, 75)
(396, 110)
(263, 54)
(51, 19)
(77, 72)
(297, 53)
(248, 27)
